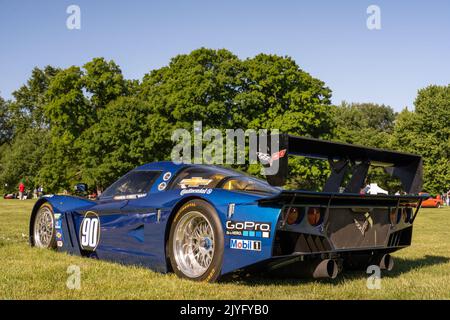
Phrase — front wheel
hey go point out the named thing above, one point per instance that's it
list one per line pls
(44, 228)
(196, 242)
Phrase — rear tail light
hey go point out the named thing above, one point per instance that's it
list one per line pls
(395, 215)
(294, 215)
(408, 214)
(401, 214)
(314, 216)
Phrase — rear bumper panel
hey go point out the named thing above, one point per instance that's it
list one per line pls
(344, 230)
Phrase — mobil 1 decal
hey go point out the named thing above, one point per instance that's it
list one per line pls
(90, 231)
(242, 244)
(248, 229)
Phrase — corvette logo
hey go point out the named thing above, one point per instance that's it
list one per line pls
(267, 158)
(368, 222)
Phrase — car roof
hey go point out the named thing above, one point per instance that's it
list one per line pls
(173, 167)
(161, 166)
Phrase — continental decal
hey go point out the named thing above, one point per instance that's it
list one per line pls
(197, 191)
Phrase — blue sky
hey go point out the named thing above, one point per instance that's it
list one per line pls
(328, 39)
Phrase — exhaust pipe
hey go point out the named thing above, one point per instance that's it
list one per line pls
(386, 262)
(326, 269)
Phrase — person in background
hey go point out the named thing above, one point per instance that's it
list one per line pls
(40, 191)
(21, 190)
(35, 193)
(448, 198)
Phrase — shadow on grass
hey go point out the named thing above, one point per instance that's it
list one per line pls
(401, 266)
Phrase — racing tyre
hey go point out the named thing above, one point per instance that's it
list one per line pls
(196, 242)
(43, 228)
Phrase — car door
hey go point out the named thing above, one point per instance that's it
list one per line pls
(123, 211)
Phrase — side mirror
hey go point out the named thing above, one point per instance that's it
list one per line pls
(81, 188)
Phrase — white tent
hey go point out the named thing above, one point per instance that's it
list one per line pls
(373, 188)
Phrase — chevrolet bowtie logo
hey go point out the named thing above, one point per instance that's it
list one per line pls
(194, 182)
(365, 226)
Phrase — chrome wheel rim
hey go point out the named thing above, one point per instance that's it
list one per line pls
(43, 228)
(193, 244)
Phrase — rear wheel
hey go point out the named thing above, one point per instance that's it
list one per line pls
(196, 242)
(44, 228)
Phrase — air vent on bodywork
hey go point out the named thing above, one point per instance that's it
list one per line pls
(400, 238)
(287, 243)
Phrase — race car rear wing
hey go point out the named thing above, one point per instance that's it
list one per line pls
(342, 157)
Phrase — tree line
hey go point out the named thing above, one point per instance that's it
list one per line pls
(88, 123)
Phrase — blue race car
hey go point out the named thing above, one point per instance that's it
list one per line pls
(203, 222)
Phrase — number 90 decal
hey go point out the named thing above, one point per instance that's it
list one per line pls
(90, 231)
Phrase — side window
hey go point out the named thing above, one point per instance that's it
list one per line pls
(198, 178)
(248, 185)
(133, 183)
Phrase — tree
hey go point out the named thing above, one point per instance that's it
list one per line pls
(27, 109)
(371, 125)
(277, 94)
(22, 159)
(128, 134)
(364, 123)
(6, 129)
(405, 133)
(75, 99)
(265, 92)
(198, 86)
(75, 95)
(68, 110)
(104, 81)
(101, 125)
(425, 131)
(69, 114)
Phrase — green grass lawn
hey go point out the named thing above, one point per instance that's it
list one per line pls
(421, 271)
